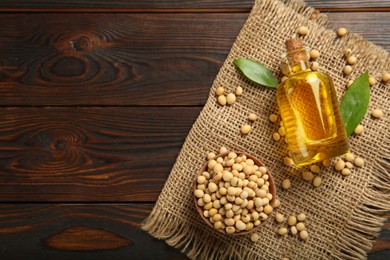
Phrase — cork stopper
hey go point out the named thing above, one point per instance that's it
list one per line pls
(295, 51)
(293, 44)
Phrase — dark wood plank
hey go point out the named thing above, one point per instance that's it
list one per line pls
(353, 4)
(381, 247)
(103, 231)
(89, 154)
(98, 231)
(178, 4)
(362, 22)
(112, 59)
(127, 59)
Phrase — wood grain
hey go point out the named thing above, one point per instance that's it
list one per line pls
(112, 59)
(176, 4)
(100, 231)
(127, 59)
(37, 226)
(350, 4)
(89, 154)
(86, 239)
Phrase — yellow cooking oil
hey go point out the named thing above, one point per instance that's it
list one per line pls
(309, 110)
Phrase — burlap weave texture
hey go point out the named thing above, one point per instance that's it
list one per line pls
(345, 214)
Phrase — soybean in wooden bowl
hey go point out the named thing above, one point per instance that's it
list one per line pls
(234, 193)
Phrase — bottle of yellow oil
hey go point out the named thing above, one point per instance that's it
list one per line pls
(309, 109)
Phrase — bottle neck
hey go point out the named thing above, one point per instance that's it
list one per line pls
(297, 61)
(302, 66)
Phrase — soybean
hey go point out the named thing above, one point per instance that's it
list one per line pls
(350, 157)
(304, 235)
(240, 225)
(212, 187)
(372, 80)
(279, 217)
(273, 118)
(326, 162)
(292, 220)
(341, 31)
(377, 113)
(385, 77)
(301, 217)
(351, 60)
(307, 176)
(230, 230)
(268, 209)
(349, 165)
(314, 54)
(346, 172)
(282, 131)
(300, 226)
(276, 136)
(347, 70)
(223, 150)
(201, 179)
(255, 237)
(211, 164)
(286, 184)
(222, 100)
(231, 99)
(359, 162)
(317, 181)
(303, 30)
(359, 129)
(314, 168)
(252, 117)
(282, 231)
(315, 65)
(293, 230)
(245, 129)
(288, 161)
(210, 156)
(220, 91)
(198, 193)
(239, 91)
(340, 164)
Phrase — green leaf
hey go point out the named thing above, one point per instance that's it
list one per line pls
(354, 103)
(256, 72)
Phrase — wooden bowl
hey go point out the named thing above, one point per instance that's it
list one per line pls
(272, 190)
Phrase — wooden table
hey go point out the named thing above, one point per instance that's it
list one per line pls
(96, 101)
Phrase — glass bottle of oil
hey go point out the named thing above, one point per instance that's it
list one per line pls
(309, 109)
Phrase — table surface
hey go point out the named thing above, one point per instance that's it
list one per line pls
(97, 98)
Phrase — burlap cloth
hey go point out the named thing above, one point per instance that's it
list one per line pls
(345, 214)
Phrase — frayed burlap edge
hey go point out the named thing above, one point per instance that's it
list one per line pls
(364, 224)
